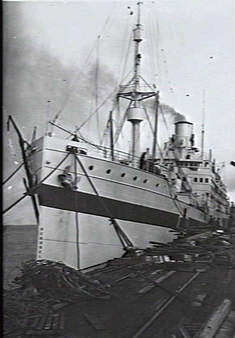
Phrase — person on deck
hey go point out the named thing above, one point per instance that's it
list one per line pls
(144, 160)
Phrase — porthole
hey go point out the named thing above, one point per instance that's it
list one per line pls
(135, 178)
(91, 167)
(123, 174)
(40, 237)
(157, 184)
(108, 171)
(41, 229)
(145, 181)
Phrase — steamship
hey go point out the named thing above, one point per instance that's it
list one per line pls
(172, 189)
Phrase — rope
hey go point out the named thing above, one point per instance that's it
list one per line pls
(32, 191)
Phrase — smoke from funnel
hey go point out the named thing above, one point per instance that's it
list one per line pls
(167, 110)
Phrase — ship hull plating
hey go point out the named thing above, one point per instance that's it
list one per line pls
(60, 198)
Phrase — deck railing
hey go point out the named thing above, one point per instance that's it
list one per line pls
(123, 158)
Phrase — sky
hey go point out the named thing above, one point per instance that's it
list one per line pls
(51, 51)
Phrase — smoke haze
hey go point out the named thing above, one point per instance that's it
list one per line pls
(36, 86)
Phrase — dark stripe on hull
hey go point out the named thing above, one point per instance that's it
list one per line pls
(60, 198)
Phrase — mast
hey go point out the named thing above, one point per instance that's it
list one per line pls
(155, 128)
(136, 113)
(137, 40)
(111, 134)
(133, 91)
(97, 85)
(203, 124)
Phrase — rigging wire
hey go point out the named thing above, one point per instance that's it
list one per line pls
(14, 172)
(120, 233)
(72, 87)
(151, 45)
(155, 23)
(86, 243)
(164, 119)
(33, 190)
(119, 129)
(97, 85)
(108, 124)
(17, 169)
(104, 101)
(148, 118)
(158, 55)
(126, 57)
(122, 74)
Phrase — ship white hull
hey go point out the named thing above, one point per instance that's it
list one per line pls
(142, 202)
(97, 240)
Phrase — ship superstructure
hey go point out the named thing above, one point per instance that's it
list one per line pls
(194, 174)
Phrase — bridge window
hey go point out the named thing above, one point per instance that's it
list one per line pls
(207, 180)
(201, 179)
(195, 179)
